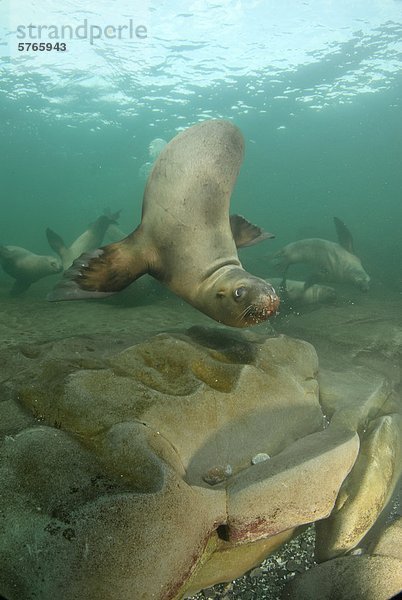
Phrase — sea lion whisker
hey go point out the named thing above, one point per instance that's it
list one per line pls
(245, 313)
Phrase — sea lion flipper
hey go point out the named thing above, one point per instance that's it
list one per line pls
(315, 277)
(245, 233)
(104, 271)
(344, 236)
(19, 287)
(281, 264)
(56, 242)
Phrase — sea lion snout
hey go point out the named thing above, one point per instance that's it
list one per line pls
(360, 279)
(56, 266)
(364, 285)
(264, 304)
(270, 300)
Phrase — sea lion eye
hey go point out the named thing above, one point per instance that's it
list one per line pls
(239, 293)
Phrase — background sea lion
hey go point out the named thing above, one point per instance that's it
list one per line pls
(336, 262)
(89, 240)
(26, 267)
(298, 293)
(185, 238)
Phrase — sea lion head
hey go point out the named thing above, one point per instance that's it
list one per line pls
(238, 299)
(362, 280)
(46, 265)
(357, 275)
(55, 265)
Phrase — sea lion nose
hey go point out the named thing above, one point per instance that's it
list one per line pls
(274, 300)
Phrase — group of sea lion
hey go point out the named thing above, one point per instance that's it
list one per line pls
(27, 267)
(188, 241)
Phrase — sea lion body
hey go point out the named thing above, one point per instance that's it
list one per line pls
(244, 233)
(193, 275)
(298, 293)
(26, 267)
(334, 262)
(185, 238)
(90, 239)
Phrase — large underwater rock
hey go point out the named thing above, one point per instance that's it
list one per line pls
(349, 578)
(177, 463)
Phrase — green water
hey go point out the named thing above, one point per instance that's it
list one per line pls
(323, 131)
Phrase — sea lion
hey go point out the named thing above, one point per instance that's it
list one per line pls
(184, 239)
(26, 267)
(336, 262)
(89, 240)
(298, 293)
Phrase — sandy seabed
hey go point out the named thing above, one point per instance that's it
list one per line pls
(359, 329)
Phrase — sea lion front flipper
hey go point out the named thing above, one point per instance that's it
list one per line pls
(283, 289)
(104, 271)
(245, 233)
(20, 286)
(315, 277)
(56, 242)
(344, 236)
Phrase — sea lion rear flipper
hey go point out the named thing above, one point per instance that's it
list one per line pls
(245, 233)
(344, 236)
(104, 271)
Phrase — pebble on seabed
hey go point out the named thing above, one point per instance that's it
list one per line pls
(260, 457)
(217, 474)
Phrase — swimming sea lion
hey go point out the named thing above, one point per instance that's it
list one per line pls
(184, 239)
(336, 262)
(26, 267)
(298, 293)
(89, 240)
